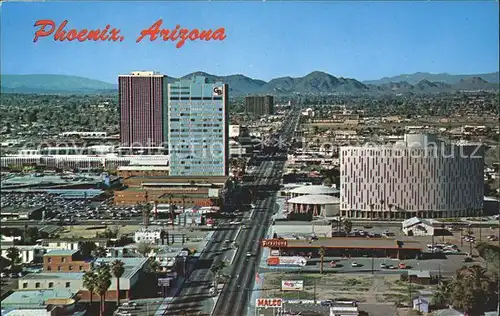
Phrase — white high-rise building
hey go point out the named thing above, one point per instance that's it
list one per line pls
(420, 177)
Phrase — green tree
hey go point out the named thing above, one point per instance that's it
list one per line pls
(144, 248)
(217, 270)
(87, 248)
(103, 283)
(117, 269)
(441, 296)
(14, 256)
(90, 283)
(347, 225)
(100, 252)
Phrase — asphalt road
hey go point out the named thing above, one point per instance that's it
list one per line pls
(236, 293)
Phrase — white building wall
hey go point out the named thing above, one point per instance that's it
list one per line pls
(411, 179)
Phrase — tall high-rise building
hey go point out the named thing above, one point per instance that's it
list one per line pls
(259, 105)
(198, 128)
(143, 117)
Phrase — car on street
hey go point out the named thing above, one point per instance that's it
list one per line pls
(383, 266)
(249, 254)
(355, 264)
(327, 303)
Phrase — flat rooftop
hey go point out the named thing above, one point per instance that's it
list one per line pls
(44, 180)
(26, 299)
(174, 179)
(131, 265)
(53, 276)
(355, 242)
(61, 252)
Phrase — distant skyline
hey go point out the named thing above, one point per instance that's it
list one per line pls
(361, 40)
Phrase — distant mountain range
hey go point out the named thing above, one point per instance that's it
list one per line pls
(492, 77)
(314, 83)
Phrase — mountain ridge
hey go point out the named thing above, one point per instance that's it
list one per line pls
(316, 82)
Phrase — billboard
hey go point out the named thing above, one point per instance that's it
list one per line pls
(287, 261)
(269, 302)
(292, 285)
(274, 243)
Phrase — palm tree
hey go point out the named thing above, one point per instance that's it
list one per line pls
(146, 212)
(117, 269)
(171, 208)
(156, 210)
(322, 257)
(371, 211)
(90, 283)
(347, 226)
(103, 284)
(441, 295)
(382, 202)
(390, 210)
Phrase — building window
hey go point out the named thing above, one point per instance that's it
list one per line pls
(49, 260)
(25, 285)
(67, 284)
(51, 284)
(49, 268)
(63, 259)
(81, 268)
(70, 268)
(37, 285)
(58, 268)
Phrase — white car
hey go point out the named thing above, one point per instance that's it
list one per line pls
(355, 264)
(249, 254)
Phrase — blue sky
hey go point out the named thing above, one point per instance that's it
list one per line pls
(362, 40)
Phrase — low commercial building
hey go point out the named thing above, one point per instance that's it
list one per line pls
(313, 205)
(417, 227)
(301, 229)
(40, 302)
(345, 247)
(148, 235)
(130, 282)
(201, 191)
(65, 261)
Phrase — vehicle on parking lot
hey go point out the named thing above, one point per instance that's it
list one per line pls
(13, 275)
(3, 275)
(383, 266)
(327, 303)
